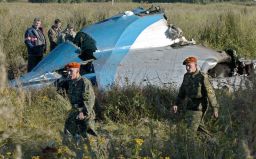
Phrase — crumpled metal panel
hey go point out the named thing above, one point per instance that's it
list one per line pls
(163, 66)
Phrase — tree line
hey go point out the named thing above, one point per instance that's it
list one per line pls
(139, 1)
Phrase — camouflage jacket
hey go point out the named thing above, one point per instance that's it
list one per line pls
(81, 95)
(198, 90)
(53, 34)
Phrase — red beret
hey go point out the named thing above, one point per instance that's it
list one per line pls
(189, 60)
(73, 65)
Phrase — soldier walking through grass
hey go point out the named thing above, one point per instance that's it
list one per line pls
(81, 95)
(198, 91)
(54, 33)
(36, 43)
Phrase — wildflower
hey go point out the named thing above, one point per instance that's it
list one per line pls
(139, 141)
(62, 150)
(59, 151)
(102, 140)
(92, 140)
(9, 153)
(36, 157)
(120, 157)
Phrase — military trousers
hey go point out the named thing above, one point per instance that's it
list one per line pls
(75, 126)
(52, 45)
(194, 122)
(193, 119)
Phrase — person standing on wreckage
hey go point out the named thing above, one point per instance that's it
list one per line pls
(88, 46)
(80, 120)
(198, 90)
(36, 43)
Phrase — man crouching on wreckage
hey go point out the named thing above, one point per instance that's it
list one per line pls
(197, 89)
(80, 120)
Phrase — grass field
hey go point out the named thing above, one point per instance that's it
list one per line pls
(137, 121)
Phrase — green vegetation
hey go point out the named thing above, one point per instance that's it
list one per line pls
(34, 120)
(137, 122)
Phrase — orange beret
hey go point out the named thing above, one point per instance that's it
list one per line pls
(189, 60)
(73, 65)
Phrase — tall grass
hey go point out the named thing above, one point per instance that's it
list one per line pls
(2, 69)
(218, 26)
(138, 124)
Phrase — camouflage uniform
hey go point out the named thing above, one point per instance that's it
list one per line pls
(198, 90)
(53, 35)
(82, 98)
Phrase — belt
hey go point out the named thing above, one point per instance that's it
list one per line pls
(194, 109)
(195, 104)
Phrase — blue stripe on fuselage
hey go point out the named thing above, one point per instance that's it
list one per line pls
(113, 38)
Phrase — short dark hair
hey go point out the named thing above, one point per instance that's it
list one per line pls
(56, 21)
(37, 19)
(69, 26)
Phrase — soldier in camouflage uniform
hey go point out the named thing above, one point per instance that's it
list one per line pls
(198, 90)
(54, 33)
(67, 35)
(80, 92)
